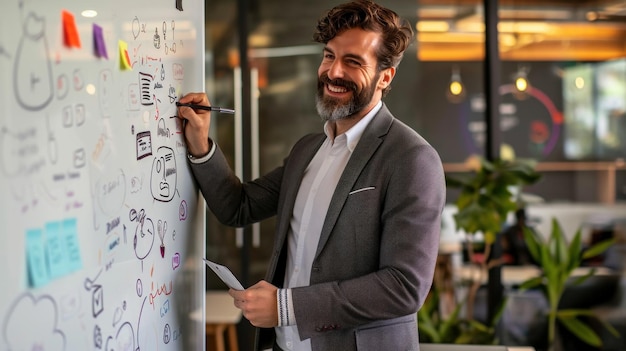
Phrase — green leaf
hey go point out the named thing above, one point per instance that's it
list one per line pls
(575, 312)
(560, 247)
(498, 314)
(451, 321)
(531, 283)
(485, 199)
(582, 278)
(581, 330)
(598, 248)
(609, 327)
(533, 244)
(430, 332)
(575, 248)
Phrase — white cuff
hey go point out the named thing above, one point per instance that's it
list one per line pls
(286, 315)
(204, 158)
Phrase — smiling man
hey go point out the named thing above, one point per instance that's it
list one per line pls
(358, 206)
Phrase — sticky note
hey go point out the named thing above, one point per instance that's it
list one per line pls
(124, 58)
(72, 247)
(55, 249)
(36, 258)
(70, 32)
(99, 45)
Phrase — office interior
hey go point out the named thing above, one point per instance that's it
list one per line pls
(560, 82)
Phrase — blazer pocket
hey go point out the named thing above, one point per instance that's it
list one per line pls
(397, 337)
(362, 189)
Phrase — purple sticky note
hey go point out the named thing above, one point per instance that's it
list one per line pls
(98, 42)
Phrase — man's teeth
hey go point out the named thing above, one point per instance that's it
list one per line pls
(336, 89)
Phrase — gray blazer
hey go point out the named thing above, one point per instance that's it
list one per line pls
(375, 260)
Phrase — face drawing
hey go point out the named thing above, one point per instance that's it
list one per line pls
(163, 180)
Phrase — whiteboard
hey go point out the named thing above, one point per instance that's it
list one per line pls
(101, 224)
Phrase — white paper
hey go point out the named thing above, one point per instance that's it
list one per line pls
(224, 274)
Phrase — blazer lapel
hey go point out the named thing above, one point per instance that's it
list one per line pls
(371, 139)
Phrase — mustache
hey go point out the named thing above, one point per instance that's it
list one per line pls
(338, 82)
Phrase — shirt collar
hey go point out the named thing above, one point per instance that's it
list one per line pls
(353, 135)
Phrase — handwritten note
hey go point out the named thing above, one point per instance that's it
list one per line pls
(52, 252)
(72, 247)
(54, 248)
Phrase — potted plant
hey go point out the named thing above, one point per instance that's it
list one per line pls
(437, 328)
(486, 198)
(557, 260)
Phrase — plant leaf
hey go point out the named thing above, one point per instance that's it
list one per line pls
(575, 247)
(582, 278)
(533, 244)
(531, 283)
(598, 248)
(430, 332)
(560, 247)
(451, 321)
(581, 330)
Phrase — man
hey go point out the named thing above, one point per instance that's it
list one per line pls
(358, 206)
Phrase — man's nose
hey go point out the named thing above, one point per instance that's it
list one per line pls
(335, 70)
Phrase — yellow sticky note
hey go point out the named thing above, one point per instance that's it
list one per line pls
(124, 58)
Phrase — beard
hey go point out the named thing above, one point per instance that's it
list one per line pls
(333, 109)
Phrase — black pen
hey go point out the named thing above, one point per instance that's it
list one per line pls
(207, 108)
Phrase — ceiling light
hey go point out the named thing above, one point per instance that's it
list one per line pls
(521, 80)
(89, 13)
(456, 88)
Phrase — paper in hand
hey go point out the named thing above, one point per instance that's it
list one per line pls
(224, 274)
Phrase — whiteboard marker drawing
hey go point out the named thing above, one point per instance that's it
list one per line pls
(33, 80)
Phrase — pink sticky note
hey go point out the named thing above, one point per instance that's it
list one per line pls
(100, 47)
(70, 32)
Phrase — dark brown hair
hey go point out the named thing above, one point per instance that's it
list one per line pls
(367, 15)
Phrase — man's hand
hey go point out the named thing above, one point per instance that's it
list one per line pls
(258, 304)
(196, 124)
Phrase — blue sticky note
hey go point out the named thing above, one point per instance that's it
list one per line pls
(55, 248)
(36, 258)
(72, 247)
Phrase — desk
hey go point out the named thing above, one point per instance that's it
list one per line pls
(515, 275)
(446, 347)
(221, 316)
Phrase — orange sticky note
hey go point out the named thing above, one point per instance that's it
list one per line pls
(124, 58)
(70, 32)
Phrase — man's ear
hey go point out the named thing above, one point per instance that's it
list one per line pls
(386, 76)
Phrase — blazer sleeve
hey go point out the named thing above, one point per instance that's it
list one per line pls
(235, 203)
